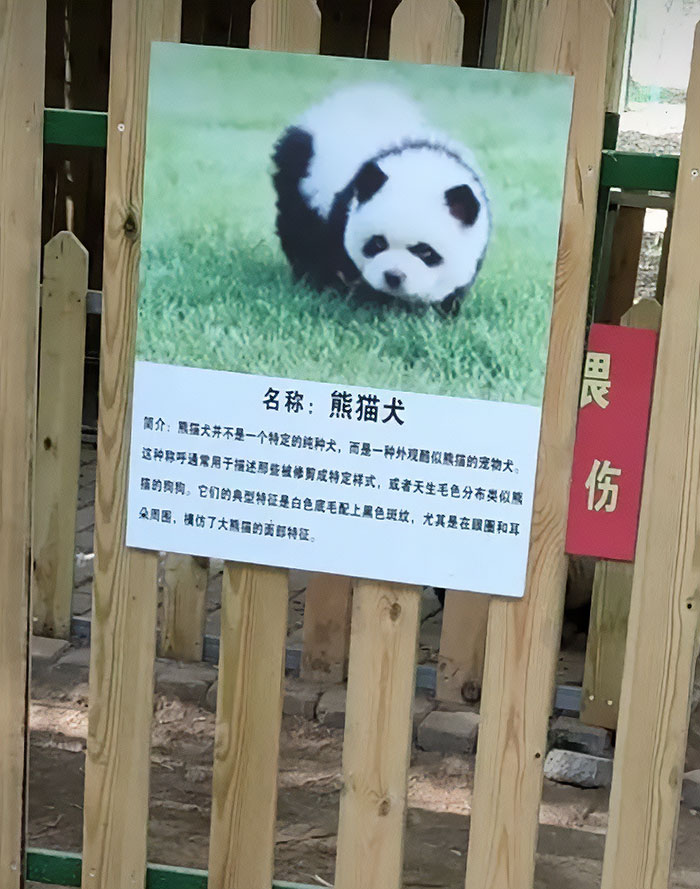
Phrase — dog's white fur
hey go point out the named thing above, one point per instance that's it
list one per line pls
(372, 121)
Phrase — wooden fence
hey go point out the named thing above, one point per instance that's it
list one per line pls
(522, 639)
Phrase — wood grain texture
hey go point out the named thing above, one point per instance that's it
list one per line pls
(253, 626)
(618, 54)
(663, 626)
(427, 31)
(378, 727)
(185, 580)
(433, 33)
(462, 647)
(610, 603)
(124, 604)
(383, 643)
(289, 26)
(59, 426)
(523, 636)
(248, 718)
(624, 263)
(22, 39)
(327, 609)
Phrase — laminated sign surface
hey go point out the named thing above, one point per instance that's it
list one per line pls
(346, 288)
(611, 442)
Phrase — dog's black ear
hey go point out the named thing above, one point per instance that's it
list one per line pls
(368, 181)
(463, 204)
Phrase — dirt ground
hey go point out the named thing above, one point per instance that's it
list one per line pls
(440, 789)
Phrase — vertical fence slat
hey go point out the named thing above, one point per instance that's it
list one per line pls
(290, 26)
(610, 603)
(59, 424)
(523, 637)
(663, 626)
(624, 263)
(377, 746)
(429, 33)
(248, 717)
(462, 647)
(253, 627)
(124, 612)
(22, 40)
(385, 621)
(327, 607)
(618, 54)
(185, 580)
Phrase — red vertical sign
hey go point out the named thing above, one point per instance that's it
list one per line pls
(611, 441)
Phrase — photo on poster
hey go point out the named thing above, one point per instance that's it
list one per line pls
(387, 230)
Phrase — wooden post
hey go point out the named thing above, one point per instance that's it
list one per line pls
(253, 626)
(663, 625)
(618, 54)
(327, 608)
(569, 36)
(184, 607)
(383, 646)
(610, 604)
(125, 589)
(624, 263)
(377, 746)
(248, 716)
(61, 365)
(462, 647)
(22, 40)
(429, 33)
(434, 33)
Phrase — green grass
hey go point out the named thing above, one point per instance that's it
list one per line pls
(216, 290)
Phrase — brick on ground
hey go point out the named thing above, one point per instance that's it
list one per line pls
(568, 733)
(449, 731)
(46, 651)
(300, 698)
(74, 665)
(423, 704)
(184, 681)
(331, 707)
(213, 623)
(691, 789)
(85, 541)
(210, 697)
(82, 602)
(579, 769)
(85, 517)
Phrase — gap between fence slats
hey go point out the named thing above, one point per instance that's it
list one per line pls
(663, 624)
(523, 636)
(124, 607)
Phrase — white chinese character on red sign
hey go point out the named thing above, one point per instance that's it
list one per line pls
(600, 481)
(596, 379)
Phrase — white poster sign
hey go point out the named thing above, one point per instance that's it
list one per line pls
(346, 286)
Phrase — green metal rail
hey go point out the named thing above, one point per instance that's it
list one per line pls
(66, 868)
(620, 169)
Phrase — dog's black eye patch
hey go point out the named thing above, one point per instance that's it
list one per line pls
(426, 253)
(377, 244)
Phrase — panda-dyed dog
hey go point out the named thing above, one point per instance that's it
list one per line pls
(371, 200)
